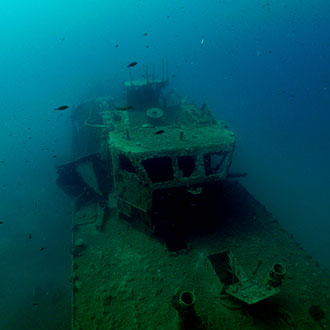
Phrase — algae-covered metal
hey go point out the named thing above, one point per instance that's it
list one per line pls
(152, 172)
(161, 163)
(164, 157)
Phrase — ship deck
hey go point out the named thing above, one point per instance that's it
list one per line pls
(125, 280)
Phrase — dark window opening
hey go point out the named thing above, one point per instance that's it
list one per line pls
(159, 169)
(126, 164)
(117, 117)
(186, 165)
(215, 162)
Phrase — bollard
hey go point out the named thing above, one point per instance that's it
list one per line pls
(186, 310)
(275, 275)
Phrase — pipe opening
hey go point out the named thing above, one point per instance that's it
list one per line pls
(187, 298)
(279, 269)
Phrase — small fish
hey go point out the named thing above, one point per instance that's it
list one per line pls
(61, 107)
(131, 64)
(160, 132)
(116, 45)
(42, 248)
(30, 236)
(54, 156)
(35, 304)
(124, 108)
(1, 222)
(145, 34)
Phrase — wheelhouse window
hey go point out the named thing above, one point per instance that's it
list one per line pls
(159, 169)
(215, 162)
(186, 165)
(126, 164)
